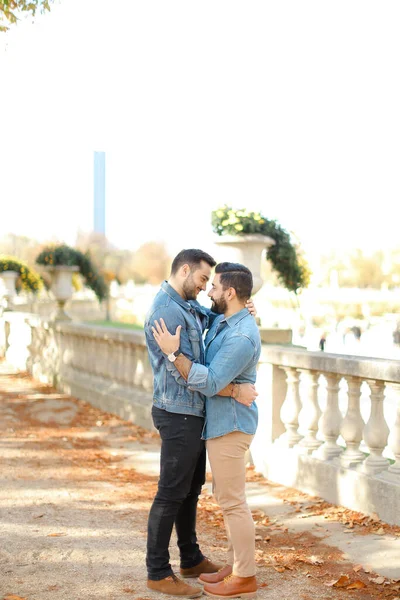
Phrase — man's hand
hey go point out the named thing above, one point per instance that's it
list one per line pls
(251, 308)
(168, 343)
(245, 393)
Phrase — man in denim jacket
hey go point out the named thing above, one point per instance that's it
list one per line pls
(178, 414)
(233, 349)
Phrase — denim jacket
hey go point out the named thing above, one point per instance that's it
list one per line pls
(171, 391)
(233, 347)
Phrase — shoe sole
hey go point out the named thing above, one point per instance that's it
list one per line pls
(195, 575)
(194, 595)
(243, 595)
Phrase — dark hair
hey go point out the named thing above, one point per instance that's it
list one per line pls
(237, 276)
(191, 257)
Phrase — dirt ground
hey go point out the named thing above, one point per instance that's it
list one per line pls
(74, 497)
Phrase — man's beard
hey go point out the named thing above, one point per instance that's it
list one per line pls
(189, 288)
(219, 306)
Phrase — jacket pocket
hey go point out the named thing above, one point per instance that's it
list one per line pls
(195, 342)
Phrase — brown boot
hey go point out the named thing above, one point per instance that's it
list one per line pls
(232, 587)
(216, 577)
(206, 566)
(174, 586)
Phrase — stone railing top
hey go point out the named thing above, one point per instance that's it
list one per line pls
(286, 356)
(93, 331)
(341, 364)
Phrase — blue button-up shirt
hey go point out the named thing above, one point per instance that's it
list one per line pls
(233, 347)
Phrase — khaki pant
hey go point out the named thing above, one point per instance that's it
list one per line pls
(227, 459)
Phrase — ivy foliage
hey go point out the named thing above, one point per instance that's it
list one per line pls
(285, 257)
(28, 279)
(63, 255)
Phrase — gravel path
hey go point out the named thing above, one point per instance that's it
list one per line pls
(76, 486)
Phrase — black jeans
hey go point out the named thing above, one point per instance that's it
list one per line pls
(182, 475)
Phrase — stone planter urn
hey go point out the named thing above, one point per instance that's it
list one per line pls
(247, 250)
(61, 286)
(9, 279)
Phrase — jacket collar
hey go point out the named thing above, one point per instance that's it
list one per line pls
(186, 304)
(168, 289)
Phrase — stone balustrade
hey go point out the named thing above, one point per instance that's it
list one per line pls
(328, 424)
(333, 427)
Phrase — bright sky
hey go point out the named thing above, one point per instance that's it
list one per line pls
(291, 108)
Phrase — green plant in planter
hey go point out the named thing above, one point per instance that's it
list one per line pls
(285, 257)
(28, 279)
(63, 255)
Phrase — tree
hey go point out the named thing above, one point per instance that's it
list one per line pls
(151, 263)
(353, 268)
(108, 257)
(11, 9)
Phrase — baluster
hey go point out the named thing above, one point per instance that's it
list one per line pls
(101, 356)
(92, 355)
(148, 372)
(291, 408)
(376, 431)
(106, 357)
(394, 436)
(329, 423)
(110, 367)
(127, 362)
(353, 424)
(134, 359)
(310, 413)
(120, 361)
(139, 370)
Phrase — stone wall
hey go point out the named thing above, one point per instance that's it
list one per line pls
(328, 424)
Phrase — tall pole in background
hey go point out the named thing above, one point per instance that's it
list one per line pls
(99, 206)
(99, 220)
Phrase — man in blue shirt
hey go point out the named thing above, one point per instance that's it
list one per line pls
(178, 414)
(233, 348)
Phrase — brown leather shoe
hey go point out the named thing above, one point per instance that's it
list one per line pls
(232, 587)
(206, 566)
(215, 577)
(174, 586)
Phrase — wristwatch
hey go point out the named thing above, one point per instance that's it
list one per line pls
(174, 355)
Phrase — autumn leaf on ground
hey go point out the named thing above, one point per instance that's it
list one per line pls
(55, 534)
(13, 597)
(356, 585)
(343, 581)
(357, 568)
(378, 580)
(312, 560)
(280, 569)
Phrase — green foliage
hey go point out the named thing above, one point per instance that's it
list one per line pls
(64, 255)
(28, 280)
(10, 9)
(285, 257)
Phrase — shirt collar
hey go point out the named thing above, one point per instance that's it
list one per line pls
(236, 317)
